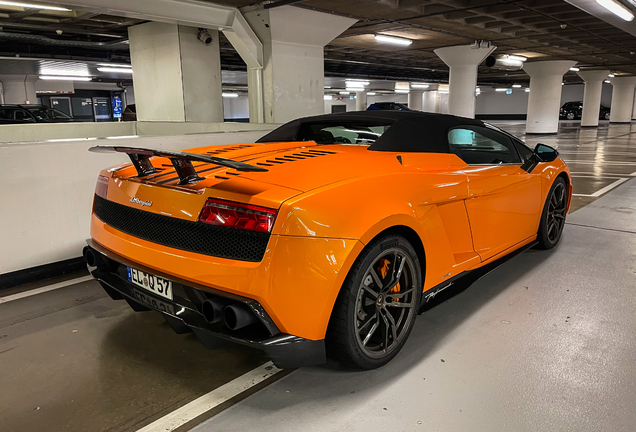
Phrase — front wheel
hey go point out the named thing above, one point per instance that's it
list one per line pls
(377, 305)
(553, 216)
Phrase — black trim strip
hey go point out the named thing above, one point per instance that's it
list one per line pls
(34, 274)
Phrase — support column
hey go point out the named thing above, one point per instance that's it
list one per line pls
(18, 89)
(361, 100)
(293, 55)
(544, 100)
(622, 99)
(416, 98)
(429, 103)
(592, 96)
(463, 62)
(179, 76)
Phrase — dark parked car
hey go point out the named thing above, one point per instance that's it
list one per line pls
(391, 106)
(18, 114)
(574, 111)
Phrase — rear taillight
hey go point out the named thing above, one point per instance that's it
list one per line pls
(101, 188)
(236, 215)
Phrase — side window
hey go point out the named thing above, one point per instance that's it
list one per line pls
(524, 150)
(478, 145)
(22, 115)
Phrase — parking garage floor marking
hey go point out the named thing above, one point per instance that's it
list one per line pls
(606, 189)
(44, 289)
(213, 399)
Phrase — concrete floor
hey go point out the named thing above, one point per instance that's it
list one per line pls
(74, 360)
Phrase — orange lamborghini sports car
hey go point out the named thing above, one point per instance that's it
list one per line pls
(327, 236)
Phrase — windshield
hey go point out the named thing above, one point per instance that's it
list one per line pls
(42, 113)
(355, 132)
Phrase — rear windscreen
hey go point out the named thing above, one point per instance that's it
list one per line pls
(361, 133)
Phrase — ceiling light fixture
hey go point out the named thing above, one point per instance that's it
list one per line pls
(65, 78)
(574, 69)
(371, 94)
(115, 70)
(344, 92)
(617, 9)
(327, 87)
(611, 76)
(606, 81)
(229, 95)
(393, 40)
(516, 86)
(501, 89)
(401, 91)
(33, 6)
(117, 65)
(419, 86)
(527, 90)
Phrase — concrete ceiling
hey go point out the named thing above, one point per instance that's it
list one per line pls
(538, 29)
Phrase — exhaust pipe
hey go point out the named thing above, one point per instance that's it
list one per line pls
(212, 311)
(237, 316)
(89, 257)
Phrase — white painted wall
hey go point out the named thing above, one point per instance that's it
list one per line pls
(47, 192)
(18, 89)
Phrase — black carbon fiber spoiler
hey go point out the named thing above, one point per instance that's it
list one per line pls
(182, 162)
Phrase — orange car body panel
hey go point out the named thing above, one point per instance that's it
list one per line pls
(329, 207)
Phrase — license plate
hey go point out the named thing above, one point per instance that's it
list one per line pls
(154, 284)
(153, 302)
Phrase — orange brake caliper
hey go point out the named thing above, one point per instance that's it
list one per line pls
(384, 270)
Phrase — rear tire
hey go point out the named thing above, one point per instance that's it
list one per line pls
(553, 215)
(377, 305)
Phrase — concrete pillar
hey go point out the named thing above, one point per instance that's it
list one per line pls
(429, 103)
(416, 98)
(179, 77)
(544, 100)
(592, 95)
(622, 99)
(361, 100)
(18, 89)
(463, 62)
(293, 43)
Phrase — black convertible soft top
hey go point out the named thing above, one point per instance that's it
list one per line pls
(410, 131)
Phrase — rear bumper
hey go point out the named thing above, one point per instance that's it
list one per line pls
(184, 313)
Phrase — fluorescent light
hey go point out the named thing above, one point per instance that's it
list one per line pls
(354, 82)
(115, 70)
(517, 58)
(617, 9)
(65, 78)
(419, 86)
(501, 89)
(527, 90)
(611, 76)
(516, 86)
(401, 91)
(607, 81)
(117, 65)
(229, 95)
(344, 92)
(327, 87)
(33, 6)
(574, 69)
(355, 86)
(371, 94)
(328, 97)
(393, 40)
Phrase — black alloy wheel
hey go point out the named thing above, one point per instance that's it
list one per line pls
(554, 213)
(377, 305)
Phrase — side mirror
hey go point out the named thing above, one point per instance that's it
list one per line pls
(542, 153)
(545, 153)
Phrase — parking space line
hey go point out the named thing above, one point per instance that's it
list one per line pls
(606, 189)
(617, 175)
(604, 162)
(213, 399)
(44, 289)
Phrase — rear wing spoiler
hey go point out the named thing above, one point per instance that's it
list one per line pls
(182, 162)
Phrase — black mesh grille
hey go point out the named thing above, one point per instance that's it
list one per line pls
(181, 234)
